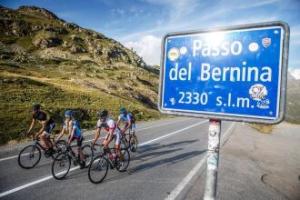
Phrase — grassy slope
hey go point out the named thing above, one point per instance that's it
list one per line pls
(19, 92)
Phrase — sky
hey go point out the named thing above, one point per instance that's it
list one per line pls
(141, 24)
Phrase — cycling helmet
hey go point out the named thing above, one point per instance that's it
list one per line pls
(123, 110)
(36, 107)
(103, 113)
(68, 113)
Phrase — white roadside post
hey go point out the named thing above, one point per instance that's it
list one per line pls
(214, 135)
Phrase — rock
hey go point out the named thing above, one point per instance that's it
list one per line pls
(36, 27)
(57, 30)
(47, 43)
(71, 26)
(38, 11)
(77, 49)
(75, 38)
(20, 28)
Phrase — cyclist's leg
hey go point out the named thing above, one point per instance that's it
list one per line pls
(46, 136)
(106, 142)
(118, 143)
(79, 144)
(133, 128)
(45, 140)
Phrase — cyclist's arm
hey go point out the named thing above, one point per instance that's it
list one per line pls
(118, 122)
(61, 134)
(71, 135)
(31, 126)
(126, 127)
(97, 135)
(110, 134)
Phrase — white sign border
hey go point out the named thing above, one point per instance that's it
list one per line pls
(281, 96)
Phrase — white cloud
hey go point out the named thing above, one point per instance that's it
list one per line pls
(148, 47)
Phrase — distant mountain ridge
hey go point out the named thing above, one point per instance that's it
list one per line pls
(61, 65)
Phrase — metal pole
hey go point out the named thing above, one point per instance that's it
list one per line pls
(214, 133)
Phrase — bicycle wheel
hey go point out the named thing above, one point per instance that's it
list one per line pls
(88, 154)
(29, 157)
(123, 160)
(98, 169)
(133, 143)
(61, 165)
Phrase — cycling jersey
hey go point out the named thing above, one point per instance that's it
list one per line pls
(77, 133)
(76, 127)
(124, 118)
(42, 116)
(128, 118)
(108, 125)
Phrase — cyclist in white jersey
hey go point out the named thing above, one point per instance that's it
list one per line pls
(113, 132)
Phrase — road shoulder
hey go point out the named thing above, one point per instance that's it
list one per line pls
(257, 166)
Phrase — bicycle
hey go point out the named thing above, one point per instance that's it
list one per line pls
(62, 162)
(32, 153)
(129, 140)
(100, 164)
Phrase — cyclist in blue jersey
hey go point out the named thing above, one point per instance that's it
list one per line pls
(72, 126)
(66, 123)
(128, 119)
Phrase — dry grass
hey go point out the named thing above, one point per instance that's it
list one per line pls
(262, 128)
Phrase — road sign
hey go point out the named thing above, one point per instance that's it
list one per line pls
(235, 73)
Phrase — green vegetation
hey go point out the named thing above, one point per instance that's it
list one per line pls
(20, 93)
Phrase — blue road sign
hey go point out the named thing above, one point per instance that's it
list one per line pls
(236, 73)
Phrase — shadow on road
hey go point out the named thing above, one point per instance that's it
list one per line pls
(146, 153)
(156, 146)
(166, 161)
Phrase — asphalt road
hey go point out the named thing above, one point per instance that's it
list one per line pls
(171, 150)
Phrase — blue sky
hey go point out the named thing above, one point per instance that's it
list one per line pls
(140, 24)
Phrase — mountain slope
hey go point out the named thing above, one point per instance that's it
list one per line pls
(61, 65)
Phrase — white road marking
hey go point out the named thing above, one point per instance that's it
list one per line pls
(178, 189)
(8, 158)
(32, 183)
(148, 127)
(172, 133)
(74, 168)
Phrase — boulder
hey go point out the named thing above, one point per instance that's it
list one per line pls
(44, 43)
(77, 49)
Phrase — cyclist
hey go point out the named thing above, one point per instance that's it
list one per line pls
(66, 123)
(111, 128)
(47, 126)
(128, 119)
(73, 126)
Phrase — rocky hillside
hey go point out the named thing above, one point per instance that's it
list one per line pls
(293, 103)
(62, 65)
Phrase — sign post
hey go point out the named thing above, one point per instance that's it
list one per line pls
(214, 135)
(234, 73)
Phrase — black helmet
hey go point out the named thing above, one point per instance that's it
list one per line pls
(103, 113)
(36, 107)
